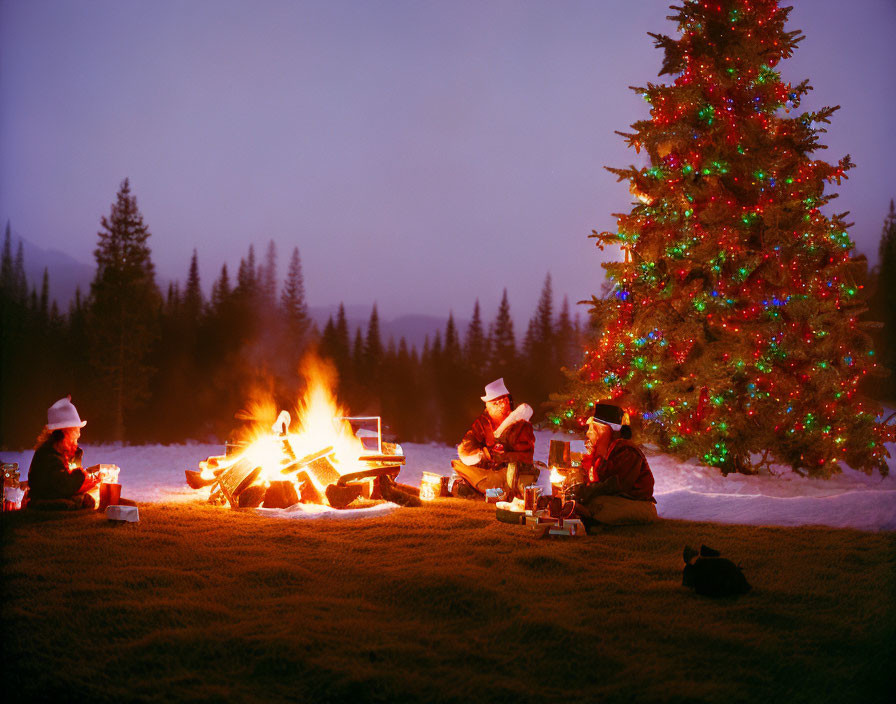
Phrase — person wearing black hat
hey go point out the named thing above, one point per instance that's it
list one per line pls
(618, 488)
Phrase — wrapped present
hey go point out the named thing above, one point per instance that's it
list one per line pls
(495, 495)
(548, 526)
(11, 475)
(125, 514)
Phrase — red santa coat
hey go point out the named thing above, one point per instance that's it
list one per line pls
(515, 433)
(623, 472)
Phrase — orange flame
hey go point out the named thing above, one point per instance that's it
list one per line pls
(316, 427)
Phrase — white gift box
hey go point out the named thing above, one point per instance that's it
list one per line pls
(130, 514)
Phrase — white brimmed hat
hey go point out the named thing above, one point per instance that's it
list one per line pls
(63, 414)
(495, 390)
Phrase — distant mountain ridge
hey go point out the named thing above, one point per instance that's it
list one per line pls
(65, 272)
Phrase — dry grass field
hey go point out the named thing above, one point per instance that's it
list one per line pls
(440, 604)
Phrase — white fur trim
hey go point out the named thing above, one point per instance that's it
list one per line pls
(522, 412)
(615, 426)
(471, 458)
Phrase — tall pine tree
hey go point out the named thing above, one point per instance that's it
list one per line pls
(292, 301)
(732, 326)
(503, 348)
(267, 274)
(124, 309)
(7, 283)
(885, 296)
(193, 299)
(476, 352)
(540, 364)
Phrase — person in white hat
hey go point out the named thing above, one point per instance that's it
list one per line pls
(497, 451)
(618, 486)
(55, 478)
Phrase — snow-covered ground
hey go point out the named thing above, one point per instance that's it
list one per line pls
(683, 490)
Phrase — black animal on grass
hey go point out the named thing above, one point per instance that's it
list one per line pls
(710, 574)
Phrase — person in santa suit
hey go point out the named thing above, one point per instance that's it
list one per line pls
(497, 451)
(618, 484)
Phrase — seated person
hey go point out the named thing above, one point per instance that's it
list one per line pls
(618, 483)
(55, 479)
(496, 452)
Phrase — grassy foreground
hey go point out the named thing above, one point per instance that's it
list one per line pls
(441, 604)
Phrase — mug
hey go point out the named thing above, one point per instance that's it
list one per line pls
(109, 495)
(532, 494)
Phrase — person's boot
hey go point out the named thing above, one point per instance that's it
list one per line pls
(461, 489)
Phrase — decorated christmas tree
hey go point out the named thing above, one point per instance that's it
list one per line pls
(731, 330)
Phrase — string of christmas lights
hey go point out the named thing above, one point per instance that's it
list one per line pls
(733, 328)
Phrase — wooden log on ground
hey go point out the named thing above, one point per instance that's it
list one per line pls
(252, 496)
(386, 470)
(342, 496)
(281, 494)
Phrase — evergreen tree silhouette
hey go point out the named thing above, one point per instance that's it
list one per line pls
(292, 302)
(884, 300)
(193, 298)
(124, 308)
(476, 345)
(7, 282)
(268, 274)
(503, 359)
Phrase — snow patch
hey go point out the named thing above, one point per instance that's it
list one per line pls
(684, 490)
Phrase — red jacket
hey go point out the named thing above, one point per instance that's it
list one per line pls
(624, 471)
(515, 434)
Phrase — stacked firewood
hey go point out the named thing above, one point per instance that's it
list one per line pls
(237, 482)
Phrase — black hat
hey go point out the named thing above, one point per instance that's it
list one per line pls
(612, 415)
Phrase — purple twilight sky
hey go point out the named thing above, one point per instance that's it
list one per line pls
(420, 154)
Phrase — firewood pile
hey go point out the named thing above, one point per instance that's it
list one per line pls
(267, 472)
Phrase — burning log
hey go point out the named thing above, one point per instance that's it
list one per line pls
(342, 496)
(280, 494)
(308, 459)
(310, 493)
(236, 479)
(369, 473)
(323, 469)
(196, 480)
(383, 460)
(251, 496)
(276, 468)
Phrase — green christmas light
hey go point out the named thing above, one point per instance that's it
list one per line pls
(699, 264)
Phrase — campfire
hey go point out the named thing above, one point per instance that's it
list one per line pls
(320, 456)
